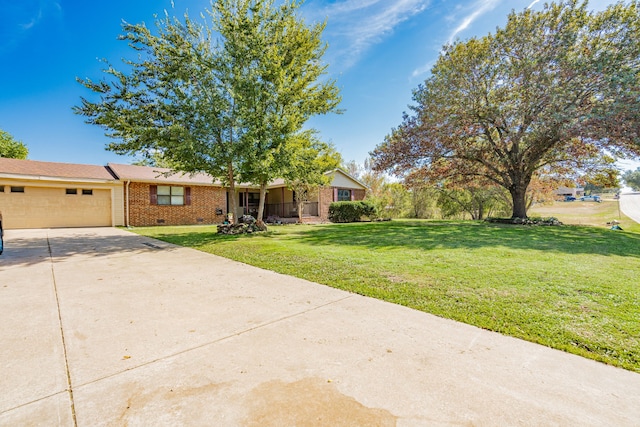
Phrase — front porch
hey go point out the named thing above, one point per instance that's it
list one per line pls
(290, 210)
(279, 205)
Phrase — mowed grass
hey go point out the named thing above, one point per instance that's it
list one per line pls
(572, 288)
(587, 213)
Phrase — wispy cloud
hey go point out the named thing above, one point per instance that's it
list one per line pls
(423, 70)
(354, 26)
(19, 18)
(478, 9)
(462, 20)
(533, 3)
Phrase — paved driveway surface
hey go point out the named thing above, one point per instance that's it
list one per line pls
(630, 205)
(101, 327)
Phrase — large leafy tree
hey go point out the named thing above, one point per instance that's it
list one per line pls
(12, 148)
(286, 70)
(220, 96)
(554, 92)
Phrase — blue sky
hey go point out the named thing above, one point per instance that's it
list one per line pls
(379, 50)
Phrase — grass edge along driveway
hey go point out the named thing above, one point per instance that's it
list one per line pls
(571, 288)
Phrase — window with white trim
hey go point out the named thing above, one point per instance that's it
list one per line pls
(169, 195)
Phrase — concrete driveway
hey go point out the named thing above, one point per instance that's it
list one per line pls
(101, 327)
(630, 205)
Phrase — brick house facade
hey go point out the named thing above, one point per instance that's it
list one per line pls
(201, 205)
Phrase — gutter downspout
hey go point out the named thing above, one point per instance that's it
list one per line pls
(126, 203)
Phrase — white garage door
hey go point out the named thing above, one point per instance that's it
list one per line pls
(42, 207)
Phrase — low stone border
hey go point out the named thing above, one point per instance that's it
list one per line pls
(551, 221)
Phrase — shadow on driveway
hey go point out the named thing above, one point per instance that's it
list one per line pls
(29, 247)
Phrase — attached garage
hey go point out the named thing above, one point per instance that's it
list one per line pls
(45, 207)
(48, 195)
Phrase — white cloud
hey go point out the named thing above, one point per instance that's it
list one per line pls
(533, 3)
(422, 70)
(470, 15)
(20, 18)
(354, 26)
(478, 9)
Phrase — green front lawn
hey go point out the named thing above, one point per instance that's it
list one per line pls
(572, 288)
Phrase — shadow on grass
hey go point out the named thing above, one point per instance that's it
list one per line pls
(196, 237)
(428, 235)
(447, 235)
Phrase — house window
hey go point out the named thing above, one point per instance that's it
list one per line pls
(253, 198)
(17, 189)
(87, 192)
(72, 191)
(344, 195)
(170, 195)
(1, 188)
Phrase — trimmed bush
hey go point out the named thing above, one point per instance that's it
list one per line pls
(351, 211)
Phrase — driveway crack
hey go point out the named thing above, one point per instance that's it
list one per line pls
(64, 344)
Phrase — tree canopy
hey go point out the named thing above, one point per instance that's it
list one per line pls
(12, 148)
(227, 96)
(555, 92)
(306, 168)
(632, 179)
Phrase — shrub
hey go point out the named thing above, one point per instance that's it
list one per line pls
(351, 211)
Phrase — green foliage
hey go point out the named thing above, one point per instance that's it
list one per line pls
(393, 200)
(307, 166)
(553, 93)
(153, 159)
(225, 96)
(424, 202)
(351, 211)
(632, 179)
(475, 202)
(11, 148)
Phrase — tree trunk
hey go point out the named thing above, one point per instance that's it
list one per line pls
(300, 209)
(233, 202)
(263, 195)
(518, 194)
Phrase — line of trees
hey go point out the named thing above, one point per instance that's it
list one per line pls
(227, 95)
(414, 199)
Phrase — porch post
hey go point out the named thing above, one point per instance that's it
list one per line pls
(335, 194)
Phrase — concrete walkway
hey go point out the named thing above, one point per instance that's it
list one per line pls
(101, 327)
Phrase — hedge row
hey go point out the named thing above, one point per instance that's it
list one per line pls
(351, 211)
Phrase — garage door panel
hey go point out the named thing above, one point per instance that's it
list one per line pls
(41, 207)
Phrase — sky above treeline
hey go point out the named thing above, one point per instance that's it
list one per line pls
(378, 52)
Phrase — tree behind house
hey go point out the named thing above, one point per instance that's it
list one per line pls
(12, 148)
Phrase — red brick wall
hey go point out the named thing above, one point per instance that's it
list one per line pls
(359, 194)
(325, 198)
(202, 210)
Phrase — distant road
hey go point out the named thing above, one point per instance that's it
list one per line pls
(630, 205)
